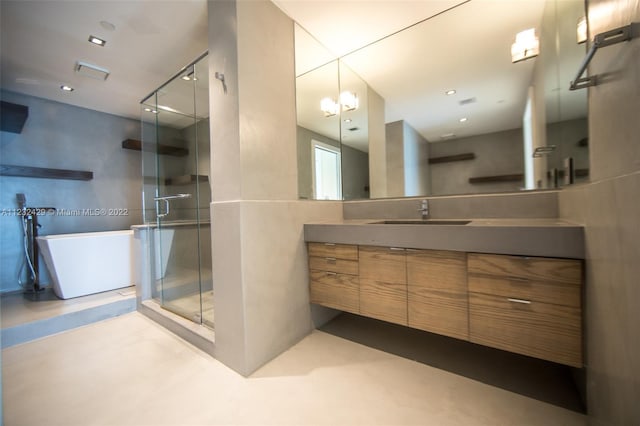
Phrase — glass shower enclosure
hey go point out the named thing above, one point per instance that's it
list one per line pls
(176, 193)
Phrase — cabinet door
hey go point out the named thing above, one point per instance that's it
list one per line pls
(528, 305)
(437, 292)
(383, 284)
(541, 330)
(338, 291)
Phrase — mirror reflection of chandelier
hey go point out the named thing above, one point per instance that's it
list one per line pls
(348, 102)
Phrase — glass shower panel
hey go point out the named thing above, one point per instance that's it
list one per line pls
(201, 96)
(175, 135)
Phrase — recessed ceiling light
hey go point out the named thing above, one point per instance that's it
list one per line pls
(463, 119)
(347, 120)
(151, 110)
(97, 40)
(66, 88)
(450, 92)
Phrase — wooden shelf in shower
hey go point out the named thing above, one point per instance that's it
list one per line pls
(186, 179)
(499, 178)
(451, 158)
(137, 145)
(44, 173)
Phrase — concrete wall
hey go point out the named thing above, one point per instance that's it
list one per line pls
(609, 207)
(377, 145)
(355, 174)
(417, 177)
(407, 157)
(259, 258)
(499, 153)
(67, 137)
(539, 204)
(394, 135)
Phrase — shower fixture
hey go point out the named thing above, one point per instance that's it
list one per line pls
(29, 224)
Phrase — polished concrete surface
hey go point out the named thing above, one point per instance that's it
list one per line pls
(26, 317)
(130, 371)
(16, 309)
(539, 379)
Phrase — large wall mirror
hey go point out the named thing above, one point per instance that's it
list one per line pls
(439, 108)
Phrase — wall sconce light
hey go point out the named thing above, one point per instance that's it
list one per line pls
(581, 30)
(527, 46)
(349, 101)
(329, 107)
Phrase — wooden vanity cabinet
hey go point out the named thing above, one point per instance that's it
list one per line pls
(527, 305)
(437, 292)
(333, 276)
(383, 283)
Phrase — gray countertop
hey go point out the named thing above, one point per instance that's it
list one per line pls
(526, 237)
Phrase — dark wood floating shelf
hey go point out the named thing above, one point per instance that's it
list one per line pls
(44, 173)
(501, 178)
(451, 158)
(186, 179)
(136, 145)
(578, 173)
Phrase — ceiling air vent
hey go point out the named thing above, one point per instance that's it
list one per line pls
(467, 101)
(92, 71)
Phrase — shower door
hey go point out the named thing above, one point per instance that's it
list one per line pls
(177, 195)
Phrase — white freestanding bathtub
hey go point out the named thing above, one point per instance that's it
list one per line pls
(88, 263)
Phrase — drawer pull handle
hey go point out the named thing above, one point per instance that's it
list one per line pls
(521, 301)
(396, 249)
(331, 274)
(330, 259)
(329, 244)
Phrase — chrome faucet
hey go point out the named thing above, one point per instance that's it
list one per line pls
(424, 209)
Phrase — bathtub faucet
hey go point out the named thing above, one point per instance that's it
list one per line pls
(30, 225)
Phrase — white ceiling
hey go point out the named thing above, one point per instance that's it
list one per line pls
(42, 41)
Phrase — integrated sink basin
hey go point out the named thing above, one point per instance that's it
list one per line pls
(421, 222)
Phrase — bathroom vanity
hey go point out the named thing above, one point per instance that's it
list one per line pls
(514, 285)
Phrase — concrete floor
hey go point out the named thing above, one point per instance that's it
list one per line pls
(130, 371)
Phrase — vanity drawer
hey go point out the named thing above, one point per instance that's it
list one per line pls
(338, 291)
(338, 251)
(555, 281)
(536, 329)
(332, 264)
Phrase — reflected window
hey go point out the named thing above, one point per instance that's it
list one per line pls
(327, 179)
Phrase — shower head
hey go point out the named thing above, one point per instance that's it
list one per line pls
(22, 200)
